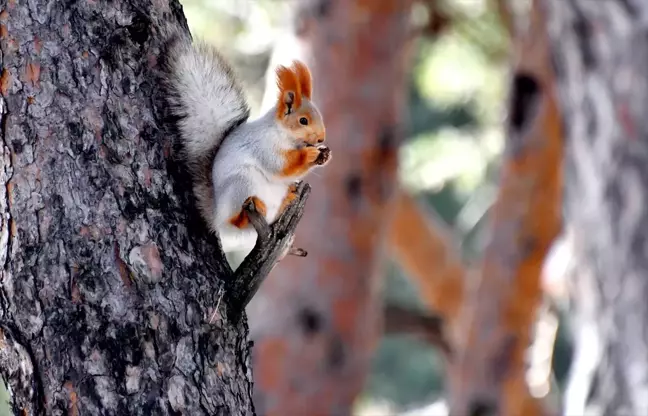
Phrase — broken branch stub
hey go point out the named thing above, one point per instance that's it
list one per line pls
(273, 242)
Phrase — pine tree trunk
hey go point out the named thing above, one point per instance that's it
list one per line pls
(600, 53)
(108, 288)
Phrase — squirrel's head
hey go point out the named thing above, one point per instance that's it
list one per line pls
(295, 110)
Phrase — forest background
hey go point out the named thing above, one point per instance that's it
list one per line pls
(457, 90)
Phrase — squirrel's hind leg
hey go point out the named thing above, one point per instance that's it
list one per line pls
(241, 218)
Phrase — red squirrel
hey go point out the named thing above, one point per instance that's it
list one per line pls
(234, 160)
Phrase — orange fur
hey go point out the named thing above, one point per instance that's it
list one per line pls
(305, 78)
(298, 161)
(241, 219)
(287, 82)
(312, 134)
(295, 88)
(290, 196)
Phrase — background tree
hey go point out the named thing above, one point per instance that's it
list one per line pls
(108, 283)
(494, 332)
(314, 352)
(599, 52)
(454, 94)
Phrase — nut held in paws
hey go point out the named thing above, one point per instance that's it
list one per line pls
(324, 156)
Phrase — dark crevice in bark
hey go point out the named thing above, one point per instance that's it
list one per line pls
(310, 320)
(322, 8)
(524, 103)
(5, 176)
(483, 408)
(630, 8)
(583, 31)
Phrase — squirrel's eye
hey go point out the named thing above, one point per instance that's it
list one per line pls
(303, 121)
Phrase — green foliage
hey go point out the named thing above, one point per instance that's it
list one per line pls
(426, 116)
(5, 400)
(563, 351)
(406, 370)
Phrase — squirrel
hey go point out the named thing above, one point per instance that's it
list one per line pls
(235, 161)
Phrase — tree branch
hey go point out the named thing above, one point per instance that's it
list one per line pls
(506, 16)
(424, 248)
(273, 243)
(430, 327)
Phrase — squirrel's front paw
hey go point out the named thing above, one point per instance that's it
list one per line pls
(324, 155)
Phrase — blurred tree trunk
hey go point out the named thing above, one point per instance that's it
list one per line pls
(600, 52)
(103, 306)
(489, 369)
(316, 322)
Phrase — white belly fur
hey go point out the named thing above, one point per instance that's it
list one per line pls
(233, 239)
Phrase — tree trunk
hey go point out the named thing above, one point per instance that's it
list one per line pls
(489, 370)
(600, 51)
(317, 321)
(108, 285)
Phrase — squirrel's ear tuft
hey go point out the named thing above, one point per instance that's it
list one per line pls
(290, 95)
(305, 78)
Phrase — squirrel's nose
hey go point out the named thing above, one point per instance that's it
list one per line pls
(320, 140)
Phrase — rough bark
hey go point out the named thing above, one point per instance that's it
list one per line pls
(600, 52)
(109, 285)
(314, 351)
(489, 371)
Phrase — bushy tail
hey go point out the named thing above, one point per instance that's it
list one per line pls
(206, 101)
